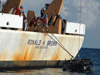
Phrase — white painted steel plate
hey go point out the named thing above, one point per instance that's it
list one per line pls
(75, 28)
(11, 21)
(35, 46)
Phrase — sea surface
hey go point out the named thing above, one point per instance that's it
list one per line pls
(86, 53)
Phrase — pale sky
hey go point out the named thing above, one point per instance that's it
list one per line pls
(71, 12)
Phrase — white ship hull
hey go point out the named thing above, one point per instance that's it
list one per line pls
(29, 49)
(18, 46)
(23, 46)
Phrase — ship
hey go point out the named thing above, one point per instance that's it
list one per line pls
(20, 48)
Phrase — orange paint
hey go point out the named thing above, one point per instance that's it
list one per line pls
(0, 56)
(26, 53)
(31, 53)
(19, 56)
(55, 55)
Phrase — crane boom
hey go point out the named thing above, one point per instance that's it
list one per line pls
(11, 4)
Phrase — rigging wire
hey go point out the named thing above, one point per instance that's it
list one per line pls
(80, 27)
(80, 12)
(59, 43)
(0, 4)
(60, 46)
(92, 4)
(55, 52)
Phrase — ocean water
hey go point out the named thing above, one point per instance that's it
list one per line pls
(93, 54)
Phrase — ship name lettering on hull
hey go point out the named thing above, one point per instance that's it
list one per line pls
(41, 44)
(51, 43)
(34, 42)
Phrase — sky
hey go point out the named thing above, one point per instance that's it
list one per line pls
(71, 12)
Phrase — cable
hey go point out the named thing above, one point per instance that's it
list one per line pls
(0, 4)
(92, 4)
(80, 20)
(80, 11)
(55, 52)
(60, 44)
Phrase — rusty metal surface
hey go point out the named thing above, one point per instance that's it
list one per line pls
(32, 46)
(11, 4)
(30, 64)
(53, 10)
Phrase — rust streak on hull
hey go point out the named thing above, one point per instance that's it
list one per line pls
(22, 51)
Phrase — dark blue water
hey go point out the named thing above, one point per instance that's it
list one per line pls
(93, 54)
(85, 53)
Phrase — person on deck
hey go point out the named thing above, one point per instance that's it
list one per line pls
(19, 11)
(35, 21)
(24, 19)
(42, 12)
(45, 22)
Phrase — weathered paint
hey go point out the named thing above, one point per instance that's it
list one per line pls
(7, 7)
(30, 64)
(14, 46)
